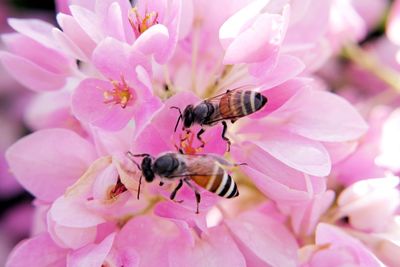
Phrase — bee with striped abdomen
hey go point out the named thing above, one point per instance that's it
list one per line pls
(206, 171)
(231, 105)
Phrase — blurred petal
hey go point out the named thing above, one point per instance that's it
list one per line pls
(30, 74)
(323, 116)
(264, 238)
(215, 249)
(295, 151)
(38, 158)
(30, 253)
(92, 255)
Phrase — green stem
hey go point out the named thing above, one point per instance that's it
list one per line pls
(372, 64)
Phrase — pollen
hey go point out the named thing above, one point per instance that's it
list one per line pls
(121, 93)
(186, 144)
(141, 24)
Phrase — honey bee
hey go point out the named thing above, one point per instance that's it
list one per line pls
(231, 105)
(205, 170)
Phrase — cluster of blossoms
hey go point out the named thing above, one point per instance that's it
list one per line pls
(319, 184)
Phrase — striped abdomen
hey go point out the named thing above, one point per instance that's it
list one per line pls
(221, 183)
(238, 104)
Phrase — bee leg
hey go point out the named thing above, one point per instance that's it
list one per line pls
(140, 183)
(197, 194)
(199, 137)
(173, 194)
(224, 137)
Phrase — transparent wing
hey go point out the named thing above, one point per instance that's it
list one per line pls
(216, 99)
(200, 165)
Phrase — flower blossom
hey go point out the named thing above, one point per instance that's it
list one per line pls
(110, 84)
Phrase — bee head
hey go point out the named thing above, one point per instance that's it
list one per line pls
(147, 169)
(188, 116)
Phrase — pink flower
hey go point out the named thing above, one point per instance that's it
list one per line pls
(357, 201)
(250, 24)
(110, 80)
(334, 247)
(112, 104)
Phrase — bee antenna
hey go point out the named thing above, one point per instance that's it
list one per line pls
(132, 156)
(179, 118)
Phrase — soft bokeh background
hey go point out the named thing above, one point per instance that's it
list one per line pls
(16, 210)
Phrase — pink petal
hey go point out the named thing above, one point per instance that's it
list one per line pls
(323, 116)
(177, 212)
(36, 160)
(108, 143)
(30, 74)
(89, 107)
(186, 19)
(76, 34)
(62, 6)
(295, 151)
(306, 215)
(72, 212)
(266, 33)
(68, 46)
(312, 24)
(234, 25)
(30, 253)
(38, 30)
(394, 23)
(286, 68)
(328, 234)
(112, 22)
(158, 135)
(52, 110)
(123, 61)
(47, 58)
(265, 239)
(151, 141)
(153, 40)
(144, 232)
(118, 11)
(215, 249)
(88, 21)
(340, 151)
(171, 20)
(275, 179)
(70, 237)
(279, 95)
(91, 255)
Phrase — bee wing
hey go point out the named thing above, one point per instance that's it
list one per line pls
(217, 98)
(235, 114)
(201, 165)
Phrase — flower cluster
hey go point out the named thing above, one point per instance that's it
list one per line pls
(111, 83)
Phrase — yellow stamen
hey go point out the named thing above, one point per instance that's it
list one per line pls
(140, 25)
(120, 94)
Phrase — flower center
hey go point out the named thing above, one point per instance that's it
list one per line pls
(141, 24)
(119, 188)
(186, 144)
(120, 94)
